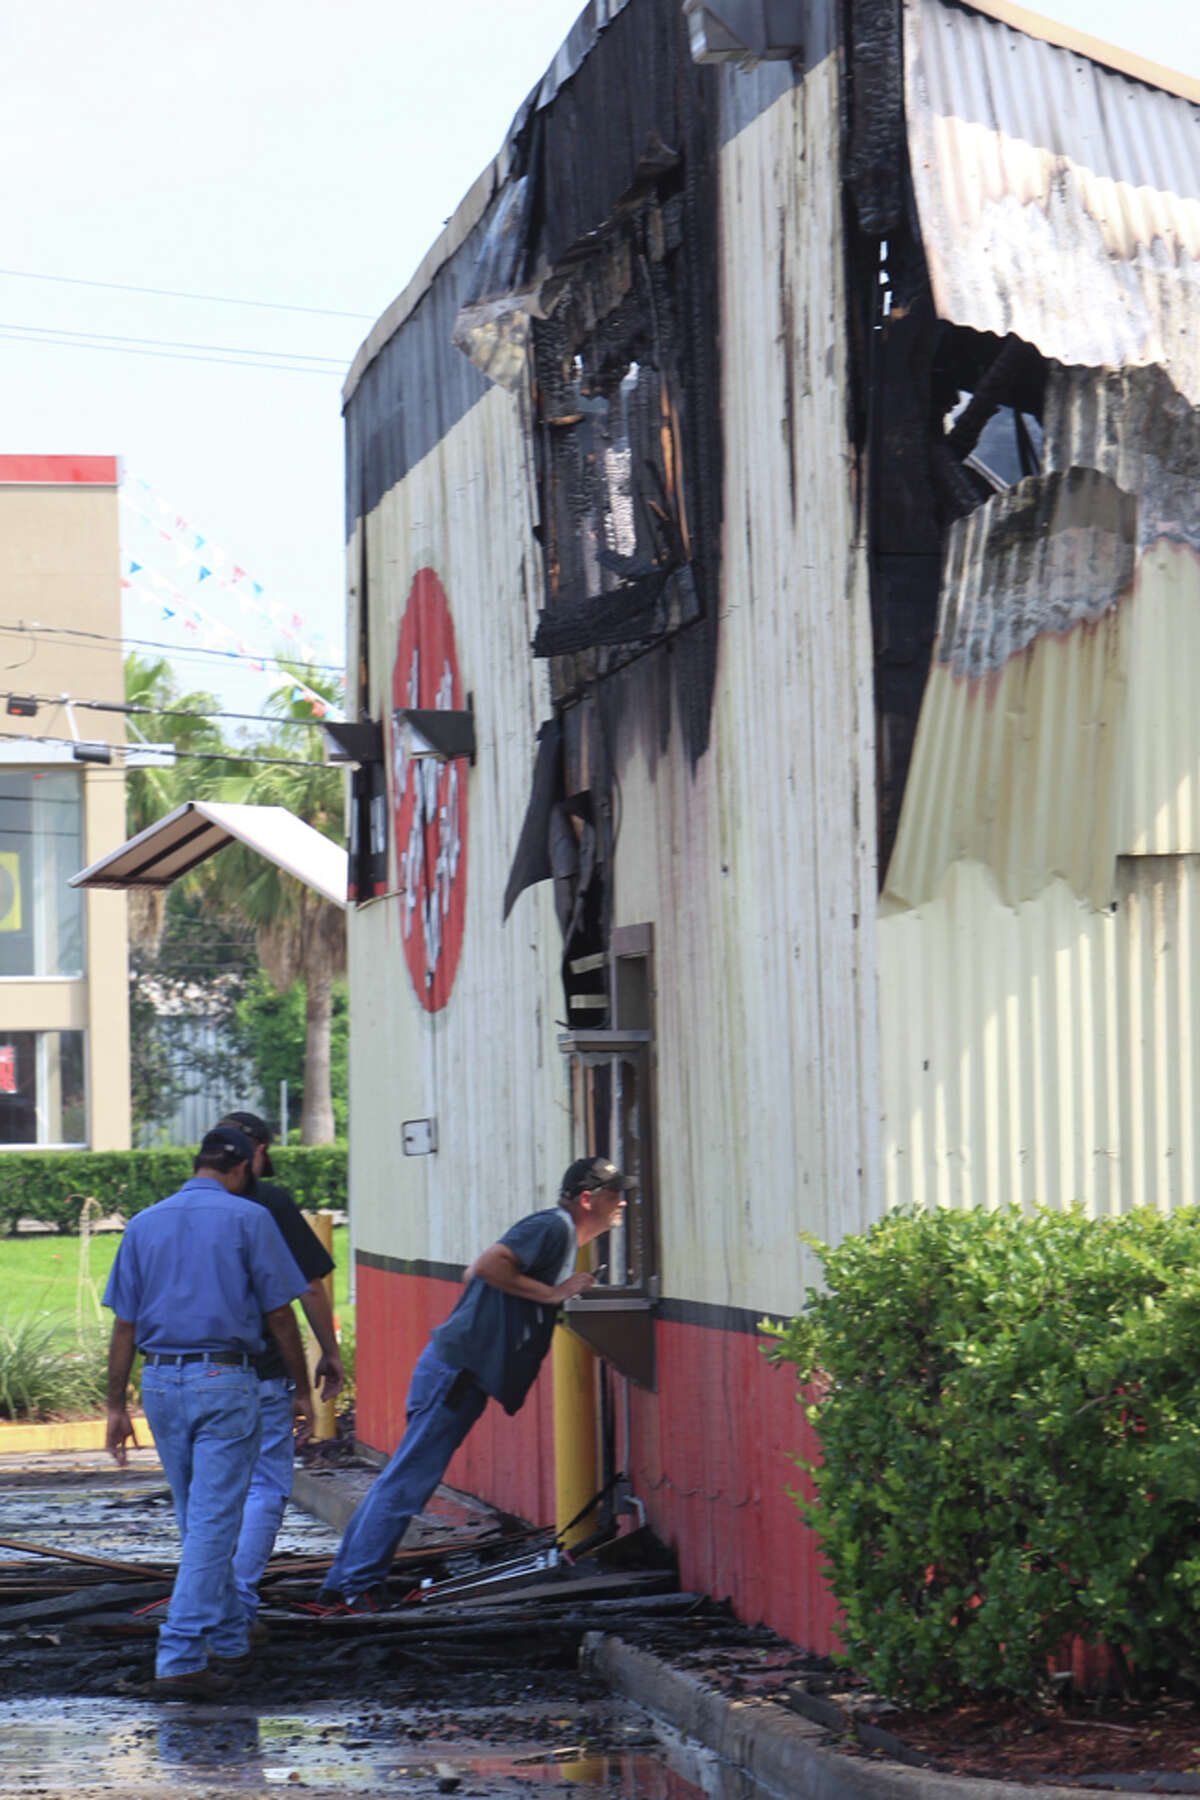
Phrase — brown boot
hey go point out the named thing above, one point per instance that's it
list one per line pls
(195, 1684)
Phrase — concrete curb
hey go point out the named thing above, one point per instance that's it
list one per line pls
(66, 1434)
(785, 1754)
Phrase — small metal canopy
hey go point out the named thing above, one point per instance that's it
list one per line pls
(199, 828)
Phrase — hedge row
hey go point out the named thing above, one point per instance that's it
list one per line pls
(1009, 1414)
(52, 1185)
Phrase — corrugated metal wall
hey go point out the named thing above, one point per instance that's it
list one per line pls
(485, 1067)
(1039, 1004)
(1038, 958)
(1058, 199)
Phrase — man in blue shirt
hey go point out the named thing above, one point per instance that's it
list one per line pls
(492, 1344)
(195, 1280)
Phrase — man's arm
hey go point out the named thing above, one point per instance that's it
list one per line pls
(500, 1269)
(319, 1313)
(282, 1327)
(120, 1360)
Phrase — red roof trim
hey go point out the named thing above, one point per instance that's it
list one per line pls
(95, 471)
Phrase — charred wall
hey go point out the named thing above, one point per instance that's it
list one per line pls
(626, 387)
(925, 396)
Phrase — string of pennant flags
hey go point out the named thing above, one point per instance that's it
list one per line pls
(198, 560)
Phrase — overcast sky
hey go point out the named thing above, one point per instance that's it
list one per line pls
(300, 154)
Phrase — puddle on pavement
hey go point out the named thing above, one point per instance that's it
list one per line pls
(86, 1748)
(132, 1521)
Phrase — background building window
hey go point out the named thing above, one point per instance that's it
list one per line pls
(41, 845)
(43, 1093)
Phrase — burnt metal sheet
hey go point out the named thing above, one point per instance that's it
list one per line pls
(1134, 426)
(1016, 761)
(1057, 198)
(1053, 552)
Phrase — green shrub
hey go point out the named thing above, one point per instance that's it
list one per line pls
(1009, 1414)
(51, 1185)
(41, 1380)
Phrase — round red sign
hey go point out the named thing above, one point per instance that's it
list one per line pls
(429, 798)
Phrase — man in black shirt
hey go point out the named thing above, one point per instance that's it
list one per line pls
(271, 1483)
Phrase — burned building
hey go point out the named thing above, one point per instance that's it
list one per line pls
(779, 477)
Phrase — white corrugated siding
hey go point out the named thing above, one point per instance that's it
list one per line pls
(1057, 199)
(1040, 1014)
(1045, 1052)
(758, 869)
(1038, 952)
(485, 1066)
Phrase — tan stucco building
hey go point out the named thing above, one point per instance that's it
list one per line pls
(64, 1013)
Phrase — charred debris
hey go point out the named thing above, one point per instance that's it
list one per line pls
(508, 1609)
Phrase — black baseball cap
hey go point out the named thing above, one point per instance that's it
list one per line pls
(227, 1140)
(591, 1172)
(255, 1128)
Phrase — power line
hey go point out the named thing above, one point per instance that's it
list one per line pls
(228, 362)
(124, 287)
(110, 337)
(220, 756)
(171, 712)
(34, 627)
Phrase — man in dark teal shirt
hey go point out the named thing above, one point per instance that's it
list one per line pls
(492, 1344)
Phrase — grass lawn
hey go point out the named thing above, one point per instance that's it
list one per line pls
(41, 1273)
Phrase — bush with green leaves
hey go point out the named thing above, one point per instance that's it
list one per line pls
(50, 1186)
(39, 1379)
(1008, 1406)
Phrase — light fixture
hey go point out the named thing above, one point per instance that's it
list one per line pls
(432, 732)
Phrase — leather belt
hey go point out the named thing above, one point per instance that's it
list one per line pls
(230, 1358)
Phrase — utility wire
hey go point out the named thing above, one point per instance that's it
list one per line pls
(124, 287)
(33, 627)
(170, 712)
(110, 337)
(10, 335)
(223, 350)
(221, 756)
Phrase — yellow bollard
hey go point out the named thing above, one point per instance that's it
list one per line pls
(324, 1411)
(574, 1433)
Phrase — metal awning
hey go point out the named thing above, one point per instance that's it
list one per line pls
(199, 828)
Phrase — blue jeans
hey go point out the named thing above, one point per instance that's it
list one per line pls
(442, 1407)
(205, 1421)
(270, 1490)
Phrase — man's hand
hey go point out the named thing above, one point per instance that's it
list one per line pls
(119, 1432)
(578, 1283)
(302, 1415)
(330, 1375)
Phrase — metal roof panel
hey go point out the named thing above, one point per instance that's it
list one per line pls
(199, 828)
(1057, 198)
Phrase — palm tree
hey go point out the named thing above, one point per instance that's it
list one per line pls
(301, 935)
(151, 793)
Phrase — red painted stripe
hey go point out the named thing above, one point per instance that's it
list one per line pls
(711, 1452)
(98, 471)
